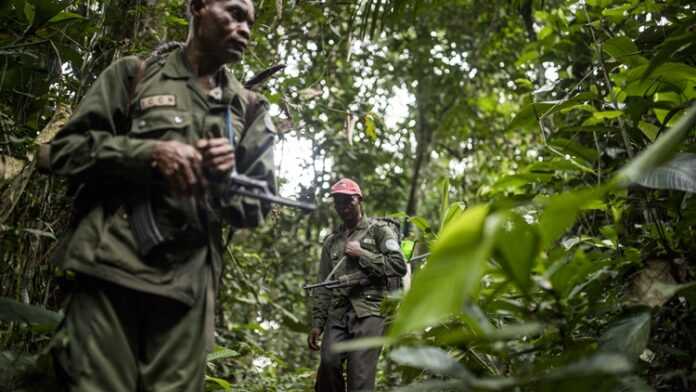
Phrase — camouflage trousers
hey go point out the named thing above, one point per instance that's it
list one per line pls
(120, 340)
(360, 366)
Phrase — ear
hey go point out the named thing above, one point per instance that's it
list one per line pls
(196, 6)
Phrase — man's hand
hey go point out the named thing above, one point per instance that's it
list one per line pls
(180, 165)
(313, 339)
(218, 156)
(353, 248)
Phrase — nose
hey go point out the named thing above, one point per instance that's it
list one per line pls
(243, 30)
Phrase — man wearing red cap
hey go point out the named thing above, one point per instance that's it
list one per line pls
(365, 250)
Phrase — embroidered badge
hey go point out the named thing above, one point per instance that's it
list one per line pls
(157, 101)
(216, 93)
(369, 241)
(392, 245)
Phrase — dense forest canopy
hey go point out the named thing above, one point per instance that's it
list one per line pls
(542, 151)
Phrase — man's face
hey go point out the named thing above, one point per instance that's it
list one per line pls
(224, 27)
(347, 207)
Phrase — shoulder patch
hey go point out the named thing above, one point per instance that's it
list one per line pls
(392, 245)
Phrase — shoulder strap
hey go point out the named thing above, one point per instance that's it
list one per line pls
(395, 225)
(142, 65)
(137, 78)
(252, 107)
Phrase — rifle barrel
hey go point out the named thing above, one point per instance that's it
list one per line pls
(321, 284)
(258, 189)
(309, 207)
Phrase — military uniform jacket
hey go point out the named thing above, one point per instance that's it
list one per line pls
(383, 260)
(108, 145)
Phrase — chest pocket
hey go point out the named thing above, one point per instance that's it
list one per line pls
(336, 253)
(161, 124)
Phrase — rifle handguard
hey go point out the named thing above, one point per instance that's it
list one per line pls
(258, 189)
(357, 279)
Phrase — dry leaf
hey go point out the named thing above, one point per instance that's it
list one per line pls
(309, 93)
(60, 117)
(10, 167)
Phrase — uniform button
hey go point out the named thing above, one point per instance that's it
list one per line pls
(178, 120)
(124, 216)
(143, 123)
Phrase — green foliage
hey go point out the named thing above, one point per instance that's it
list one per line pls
(11, 310)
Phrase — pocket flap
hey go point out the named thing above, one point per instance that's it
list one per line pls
(159, 121)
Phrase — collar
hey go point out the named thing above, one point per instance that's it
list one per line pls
(176, 67)
(363, 224)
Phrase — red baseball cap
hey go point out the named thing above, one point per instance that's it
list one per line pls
(346, 186)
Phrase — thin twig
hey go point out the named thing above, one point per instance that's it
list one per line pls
(610, 91)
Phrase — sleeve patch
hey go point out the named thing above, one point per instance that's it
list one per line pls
(392, 245)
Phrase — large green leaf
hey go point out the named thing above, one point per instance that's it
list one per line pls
(517, 244)
(677, 174)
(678, 40)
(224, 384)
(432, 359)
(221, 353)
(435, 386)
(599, 117)
(516, 182)
(363, 343)
(668, 76)
(627, 335)
(596, 373)
(568, 275)
(452, 273)
(624, 51)
(453, 211)
(561, 211)
(529, 115)
(658, 152)
(11, 310)
(594, 365)
(507, 332)
(575, 149)
(633, 383)
(46, 9)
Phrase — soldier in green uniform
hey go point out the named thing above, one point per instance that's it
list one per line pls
(361, 249)
(160, 131)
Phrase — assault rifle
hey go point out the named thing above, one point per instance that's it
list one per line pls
(350, 280)
(148, 235)
(240, 184)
